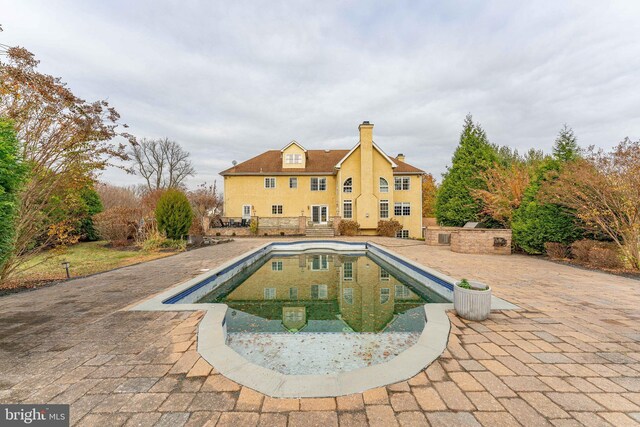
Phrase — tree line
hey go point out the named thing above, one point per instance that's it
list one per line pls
(558, 203)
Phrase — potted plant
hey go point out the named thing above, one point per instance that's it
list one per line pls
(472, 300)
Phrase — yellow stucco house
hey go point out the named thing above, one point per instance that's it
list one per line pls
(312, 190)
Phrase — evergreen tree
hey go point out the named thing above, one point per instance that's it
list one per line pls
(174, 214)
(566, 147)
(12, 176)
(534, 222)
(92, 206)
(454, 204)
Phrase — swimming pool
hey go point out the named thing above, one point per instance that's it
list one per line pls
(317, 318)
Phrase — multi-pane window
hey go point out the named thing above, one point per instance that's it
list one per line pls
(402, 234)
(276, 209)
(318, 184)
(347, 209)
(347, 294)
(293, 293)
(384, 209)
(293, 182)
(293, 159)
(402, 292)
(347, 271)
(402, 182)
(270, 182)
(276, 265)
(385, 294)
(402, 209)
(384, 185)
(320, 262)
(318, 291)
(293, 316)
(347, 187)
(269, 293)
(384, 275)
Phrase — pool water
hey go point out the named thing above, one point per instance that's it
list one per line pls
(322, 292)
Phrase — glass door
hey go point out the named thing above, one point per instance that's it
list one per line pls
(319, 214)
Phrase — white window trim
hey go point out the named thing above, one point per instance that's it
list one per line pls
(344, 186)
(344, 277)
(269, 178)
(290, 159)
(295, 180)
(383, 201)
(388, 295)
(268, 290)
(380, 185)
(347, 202)
(402, 205)
(318, 180)
(276, 210)
(276, 266)
(402, 180)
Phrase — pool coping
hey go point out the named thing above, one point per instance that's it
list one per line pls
(212, 334)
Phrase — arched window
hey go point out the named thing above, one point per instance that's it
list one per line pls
(384, 185)
(347, 187)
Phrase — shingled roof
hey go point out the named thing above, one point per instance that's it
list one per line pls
(318, 162)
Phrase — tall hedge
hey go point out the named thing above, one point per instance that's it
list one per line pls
(12, 176)
(454, 203)
(174, 214)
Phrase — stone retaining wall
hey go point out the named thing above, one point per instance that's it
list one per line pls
(272, 226)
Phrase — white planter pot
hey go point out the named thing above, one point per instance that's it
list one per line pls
(471, 304)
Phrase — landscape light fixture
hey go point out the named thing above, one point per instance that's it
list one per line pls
(66, 265)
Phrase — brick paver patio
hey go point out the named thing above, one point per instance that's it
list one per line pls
(571, 356)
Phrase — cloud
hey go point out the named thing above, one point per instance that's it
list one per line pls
(231, 79)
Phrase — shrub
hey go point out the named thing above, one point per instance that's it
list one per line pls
(348, 228)
(174, 214)
(580, 249)
(118, 224)
(534, 223)
(605, 256)
(388, 228)
(556, 250)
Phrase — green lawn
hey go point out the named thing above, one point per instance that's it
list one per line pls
(85, 258)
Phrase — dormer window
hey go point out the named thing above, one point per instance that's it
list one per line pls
(293, 159)
(347, 187)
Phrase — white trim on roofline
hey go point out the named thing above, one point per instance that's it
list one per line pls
(291, 143)
(393, 164)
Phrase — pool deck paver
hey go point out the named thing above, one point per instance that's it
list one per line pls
(570, 356)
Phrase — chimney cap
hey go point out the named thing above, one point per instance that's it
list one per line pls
(400, 155)
(366, 122)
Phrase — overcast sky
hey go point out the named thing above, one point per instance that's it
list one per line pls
(232, 79)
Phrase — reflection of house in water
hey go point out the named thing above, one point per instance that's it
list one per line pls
(325, 292)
